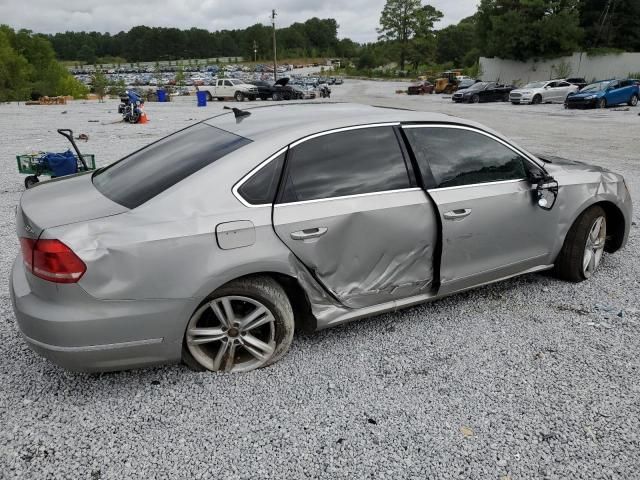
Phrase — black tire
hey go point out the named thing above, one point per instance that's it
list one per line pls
(30, 181)
(239, 96)
(601, 103)
(633, 101)
(505, 97)
(515, 103)
(568, 265)
(537, 100)
(475, 99)
(276, 97)
(268, 292)
(209, 97)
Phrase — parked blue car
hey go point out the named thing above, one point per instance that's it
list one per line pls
(605, 93)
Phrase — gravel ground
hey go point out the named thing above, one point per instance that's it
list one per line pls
(530, 378)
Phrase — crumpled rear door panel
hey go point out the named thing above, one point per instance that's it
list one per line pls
(376, 248)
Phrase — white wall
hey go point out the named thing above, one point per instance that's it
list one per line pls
(582, 65)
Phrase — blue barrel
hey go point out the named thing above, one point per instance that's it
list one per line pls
(162, 95)
(202, 99)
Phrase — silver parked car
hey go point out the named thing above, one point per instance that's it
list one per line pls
(552, 91)
(213, 244)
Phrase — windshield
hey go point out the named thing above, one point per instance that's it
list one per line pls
(596, 87)
(150, 171)
(535, 85)
(478, 86)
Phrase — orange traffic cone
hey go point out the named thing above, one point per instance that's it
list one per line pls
(143, 118)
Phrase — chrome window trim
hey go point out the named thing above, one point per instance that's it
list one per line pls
(456, 187)
(244, 179)
(348, 197)
(343, 129)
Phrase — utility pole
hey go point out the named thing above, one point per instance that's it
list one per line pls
(275, 61)
(255, 52)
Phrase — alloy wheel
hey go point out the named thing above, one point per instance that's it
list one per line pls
(594, 246)
(232, 334)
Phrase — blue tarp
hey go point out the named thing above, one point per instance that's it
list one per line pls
(61, 164)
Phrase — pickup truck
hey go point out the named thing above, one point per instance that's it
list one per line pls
(225, 88)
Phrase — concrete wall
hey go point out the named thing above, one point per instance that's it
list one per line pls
(581, 65)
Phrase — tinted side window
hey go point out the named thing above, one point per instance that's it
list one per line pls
(262, 187)
(148, 172)
(346, 163)
(463, 157)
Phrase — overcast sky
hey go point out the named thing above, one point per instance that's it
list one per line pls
(358, 19)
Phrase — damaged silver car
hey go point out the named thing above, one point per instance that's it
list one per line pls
(213, 244)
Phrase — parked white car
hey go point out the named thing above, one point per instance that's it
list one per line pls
(230, 88)
(551, 91)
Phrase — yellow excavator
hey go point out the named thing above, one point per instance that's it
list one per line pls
(447, 82)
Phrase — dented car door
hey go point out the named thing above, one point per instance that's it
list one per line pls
(492, 226)
(350, 210)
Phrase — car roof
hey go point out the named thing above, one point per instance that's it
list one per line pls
(286, 123)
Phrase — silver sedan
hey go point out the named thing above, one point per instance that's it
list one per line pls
(212, 245)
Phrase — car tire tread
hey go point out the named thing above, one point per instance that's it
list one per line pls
(568, 265)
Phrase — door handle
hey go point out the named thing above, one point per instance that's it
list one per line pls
(457, 214)
(309, 233)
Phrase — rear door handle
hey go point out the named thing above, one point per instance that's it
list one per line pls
(457, 214)
(309, 233)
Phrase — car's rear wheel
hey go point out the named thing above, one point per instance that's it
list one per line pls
(537, 100)
(244, 325)
(30, 181)
(633, 101)
(583, 247)
(505, 97)
(209, 97)
(602, 103)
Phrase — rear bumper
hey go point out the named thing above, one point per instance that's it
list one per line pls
(81, 333)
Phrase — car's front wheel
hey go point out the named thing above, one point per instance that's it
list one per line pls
(244, 325)
(583, 247)
(239, 97)
(475, 99)
(602, 103)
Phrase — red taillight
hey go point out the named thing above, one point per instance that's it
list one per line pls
(52, 260)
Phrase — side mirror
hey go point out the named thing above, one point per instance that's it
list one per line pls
(546, 192)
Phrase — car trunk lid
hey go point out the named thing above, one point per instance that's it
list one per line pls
(61, 202)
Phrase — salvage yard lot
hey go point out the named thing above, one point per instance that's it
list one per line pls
(529, 378)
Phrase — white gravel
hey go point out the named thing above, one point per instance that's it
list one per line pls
(530, 378)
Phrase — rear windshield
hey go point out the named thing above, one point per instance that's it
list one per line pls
(150, 171)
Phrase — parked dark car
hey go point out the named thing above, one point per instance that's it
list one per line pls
(483, 92)
(265, 90)
(283, 91)
(579, 81)
(420, 88)
(605, 93)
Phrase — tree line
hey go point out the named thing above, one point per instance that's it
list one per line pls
(511, 29)
(314, 38)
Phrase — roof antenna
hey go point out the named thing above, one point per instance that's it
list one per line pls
(239, 114)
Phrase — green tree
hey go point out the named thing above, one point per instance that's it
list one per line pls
(100, 83)
(611, 24)
(524, 29)
(14, 72)
(87, 54)
(455, 42)
(402, 20)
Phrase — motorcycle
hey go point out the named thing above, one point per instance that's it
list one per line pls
(325, 91)
(131, 107)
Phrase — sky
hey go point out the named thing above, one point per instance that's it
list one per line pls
(358, 19)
